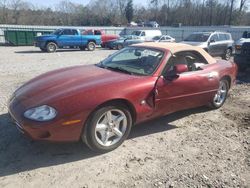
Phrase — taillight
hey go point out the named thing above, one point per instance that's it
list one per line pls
(237, 47)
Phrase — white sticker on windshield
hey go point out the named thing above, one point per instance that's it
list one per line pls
(149, 53)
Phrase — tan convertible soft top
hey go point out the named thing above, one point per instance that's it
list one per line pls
(178, 47)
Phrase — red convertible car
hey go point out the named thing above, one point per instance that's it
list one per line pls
(100, 103)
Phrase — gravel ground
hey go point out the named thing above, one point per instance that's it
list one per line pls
(192, 148)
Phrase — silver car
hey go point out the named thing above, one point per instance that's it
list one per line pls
(215, 43)
(163, 38)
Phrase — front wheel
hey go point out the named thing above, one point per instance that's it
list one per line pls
(227, 54)
(108, 127)
(221, 94)
(91, 46)
(51, 47)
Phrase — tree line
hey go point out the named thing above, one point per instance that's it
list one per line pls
(120, 12)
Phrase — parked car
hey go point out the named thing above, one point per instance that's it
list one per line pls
(151, 24)
(242, 51)
(100, 103)
(215, 43)
(132, 24)
(123, 42)
(163, 38)
(245, 38)
(104, 37)
(67, 38)
(242, 56)
(146, 35)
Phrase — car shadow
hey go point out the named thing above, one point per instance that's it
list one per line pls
(58, 51)
(19, 154)
(40, 52)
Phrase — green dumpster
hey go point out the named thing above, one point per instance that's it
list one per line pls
(22, 37)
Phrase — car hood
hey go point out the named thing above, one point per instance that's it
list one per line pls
(242, 40)
(57, 83)
(45, 36)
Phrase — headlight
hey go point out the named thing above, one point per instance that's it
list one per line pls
(41, 113)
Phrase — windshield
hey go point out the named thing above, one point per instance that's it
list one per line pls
(137, 33)
(246, 35)
(134, 60)
(198, 37)
(57, 32)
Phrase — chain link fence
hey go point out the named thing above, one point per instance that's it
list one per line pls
(21, 35)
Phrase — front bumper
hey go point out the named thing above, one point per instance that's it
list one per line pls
(54, 130)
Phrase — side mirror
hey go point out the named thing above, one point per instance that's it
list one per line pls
(174, 74)
(180, 68)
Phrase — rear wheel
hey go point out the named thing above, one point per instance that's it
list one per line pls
(221, 94)
(227, 54)
(51, 47)
(108, 127)
(91, 46)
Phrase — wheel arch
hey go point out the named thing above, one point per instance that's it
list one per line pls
(121, 101)
(228, 78)
(230, 47)
(91, 40)
(48, 41)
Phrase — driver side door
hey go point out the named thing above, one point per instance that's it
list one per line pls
(213, 45)
(185, 90)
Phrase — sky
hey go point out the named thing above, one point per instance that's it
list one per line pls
(51, 3)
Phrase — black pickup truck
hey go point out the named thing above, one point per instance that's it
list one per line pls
(242, 58)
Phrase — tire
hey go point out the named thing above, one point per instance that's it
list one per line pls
(101, 136)
(227, 54)
(91, 46)
(221, 95)
(51, 47)
(119, 46)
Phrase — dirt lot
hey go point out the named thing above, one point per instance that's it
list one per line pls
(193, 148)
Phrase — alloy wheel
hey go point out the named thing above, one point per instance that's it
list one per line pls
(110, 127)
(221, 94)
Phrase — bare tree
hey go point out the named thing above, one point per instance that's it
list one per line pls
(242, 4)
(4, 12)
(231, 11)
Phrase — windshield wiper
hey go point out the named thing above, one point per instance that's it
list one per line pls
(120, 69)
